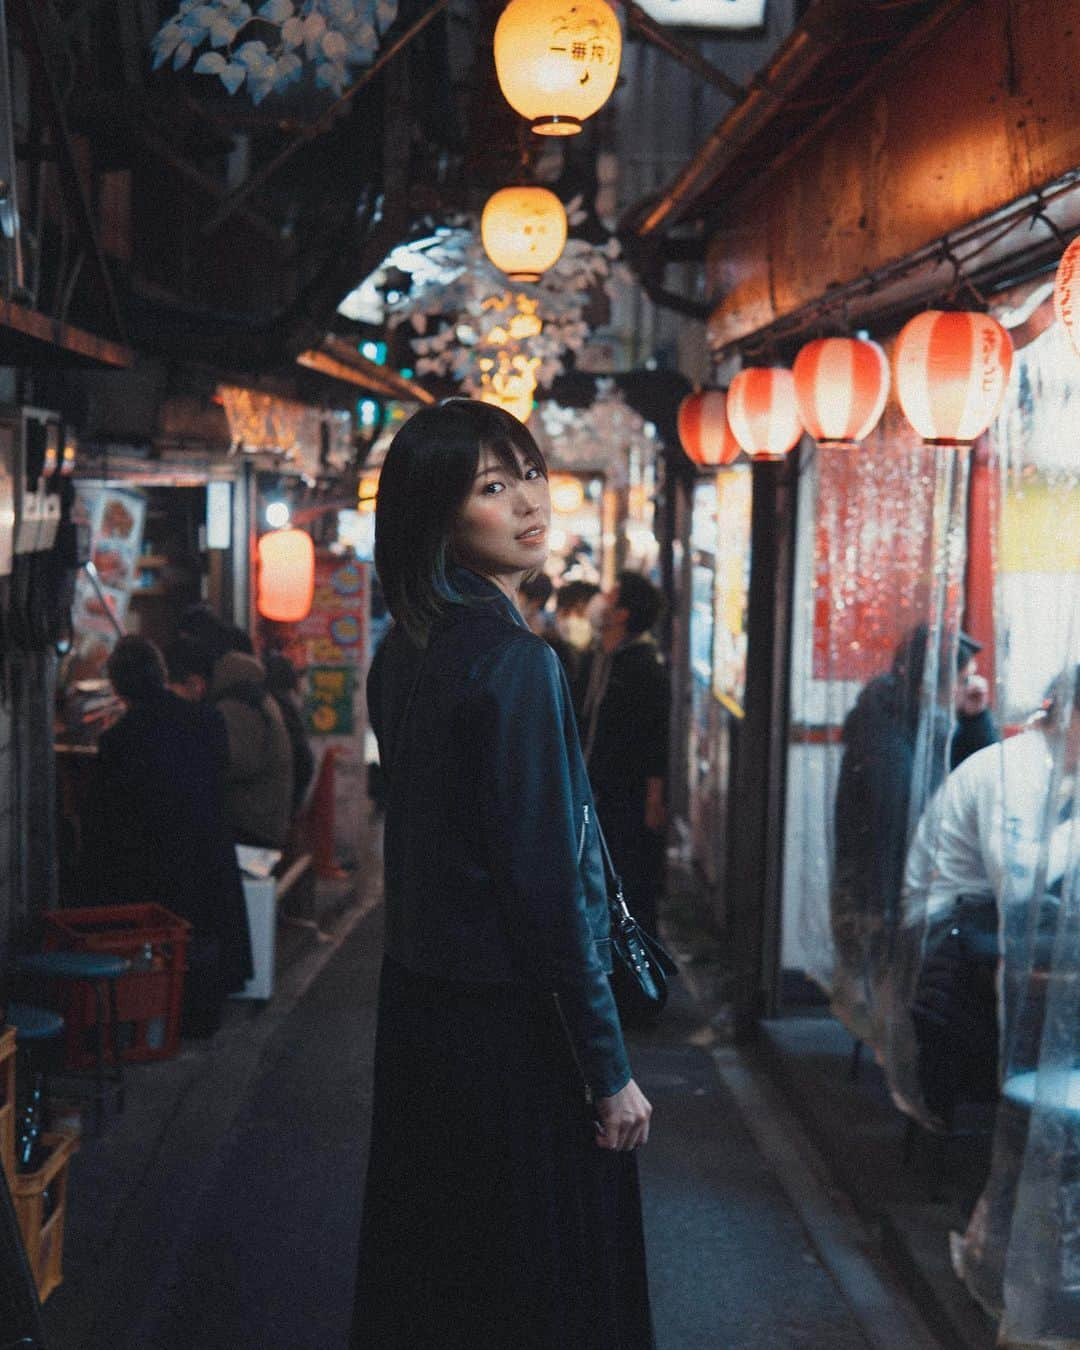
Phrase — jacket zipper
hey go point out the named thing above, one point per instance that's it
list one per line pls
(573, 1047)
(584, 828)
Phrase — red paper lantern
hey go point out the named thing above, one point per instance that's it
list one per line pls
(704, 431)
(286, 575)
(1066, 297)
(951, 370)
(762, 412)
(841, 385)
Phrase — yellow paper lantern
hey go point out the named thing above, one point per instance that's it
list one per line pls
(524, 231)
(286, 575)
(557, 61)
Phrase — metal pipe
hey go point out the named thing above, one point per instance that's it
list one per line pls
(795, 61)
(659, 37)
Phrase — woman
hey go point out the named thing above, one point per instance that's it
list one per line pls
(502, 1205)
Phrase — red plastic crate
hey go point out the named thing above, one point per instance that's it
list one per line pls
(148, 1000)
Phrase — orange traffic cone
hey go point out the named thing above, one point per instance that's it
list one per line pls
(321, 820)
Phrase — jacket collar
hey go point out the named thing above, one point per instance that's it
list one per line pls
(475, 587)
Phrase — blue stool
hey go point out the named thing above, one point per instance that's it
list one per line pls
(33, 1024)
(100, 970)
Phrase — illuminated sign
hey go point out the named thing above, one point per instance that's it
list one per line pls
(738, 14)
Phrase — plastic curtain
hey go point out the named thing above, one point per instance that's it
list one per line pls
(879, 566)
(1021, 1253)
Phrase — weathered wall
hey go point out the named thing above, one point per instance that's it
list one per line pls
(986, 112)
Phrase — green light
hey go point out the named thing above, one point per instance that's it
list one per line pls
(374, 351)
(405, 373)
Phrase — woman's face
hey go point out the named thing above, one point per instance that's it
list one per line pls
(501, 530)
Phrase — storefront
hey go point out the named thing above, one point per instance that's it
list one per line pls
(888, 581)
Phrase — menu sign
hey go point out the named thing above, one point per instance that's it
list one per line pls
(333, 643)
(115, 517)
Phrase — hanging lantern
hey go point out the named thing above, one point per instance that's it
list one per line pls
(524, 231)
(1066, 300)
(286, 575)
(951, 370)
(841, 385)
(762, 412)
(557, 60)
(704, 431)
(567, 493)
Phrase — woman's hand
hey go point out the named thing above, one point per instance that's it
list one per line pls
(623, 1120)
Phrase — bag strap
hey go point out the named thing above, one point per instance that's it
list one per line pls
(617, 904)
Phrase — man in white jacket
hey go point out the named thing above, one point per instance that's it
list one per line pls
(984, 831)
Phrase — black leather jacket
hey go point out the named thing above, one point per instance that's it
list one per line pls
(493, 866)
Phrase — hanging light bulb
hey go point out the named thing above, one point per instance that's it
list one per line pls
(509, 382)
(762, 411)
(1066, 300)
(557, 60)
(951, 370)
(704, 431)
(286, 575)
(841, 385)
(524, 231)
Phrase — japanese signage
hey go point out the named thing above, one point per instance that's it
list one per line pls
(333, 645)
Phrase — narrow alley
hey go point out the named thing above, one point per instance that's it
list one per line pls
(220, 1211)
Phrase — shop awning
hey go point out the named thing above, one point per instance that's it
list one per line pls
(341, 361)
(30, 338)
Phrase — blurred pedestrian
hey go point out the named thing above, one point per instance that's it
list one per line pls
(159, 831)
(533, 597)
(259, 779)
(873, 800)
(626, 711)
(502, 1205)
(283, 683)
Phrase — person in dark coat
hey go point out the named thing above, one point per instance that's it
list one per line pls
(626, 711)
(502, 1209)
(282, 684)
(160, 832)
(873, 796)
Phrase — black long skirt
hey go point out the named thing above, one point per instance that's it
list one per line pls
(492, 1221)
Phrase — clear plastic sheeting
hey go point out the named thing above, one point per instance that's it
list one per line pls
(879, 566)
(1017, 805)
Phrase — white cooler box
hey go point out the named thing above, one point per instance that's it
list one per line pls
(260, 896)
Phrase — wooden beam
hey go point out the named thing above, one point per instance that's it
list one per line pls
(28, 337)
(157, 144)
(661, 38)
(338, 360)
(74, 192)
(321, 124)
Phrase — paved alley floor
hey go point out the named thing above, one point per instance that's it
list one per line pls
(221, 1211)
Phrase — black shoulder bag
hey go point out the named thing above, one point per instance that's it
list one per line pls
(640, 967)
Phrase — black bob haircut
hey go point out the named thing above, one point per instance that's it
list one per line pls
(426, 477)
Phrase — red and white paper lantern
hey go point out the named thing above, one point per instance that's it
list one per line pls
(762, 411)
(1067, 292)
(951, 370)
(841, 385)
(704, 431)
(286, 575)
